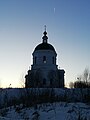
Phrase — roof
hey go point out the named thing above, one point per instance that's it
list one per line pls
(44, 46)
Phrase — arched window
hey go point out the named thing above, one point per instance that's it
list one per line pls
(53, 60)
(44, 59)
(44, 81)
(35, 60)
(51, 82)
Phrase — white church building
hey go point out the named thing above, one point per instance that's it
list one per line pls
(44, 71)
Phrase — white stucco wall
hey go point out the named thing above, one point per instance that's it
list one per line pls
(39, 60)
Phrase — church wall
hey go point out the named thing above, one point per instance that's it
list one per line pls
(49, 59)
(43, 78)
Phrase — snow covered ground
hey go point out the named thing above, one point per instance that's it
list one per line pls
(75, 104)
(47, 111)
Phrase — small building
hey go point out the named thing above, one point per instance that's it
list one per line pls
(44, 72)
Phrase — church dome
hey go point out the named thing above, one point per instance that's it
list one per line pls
(45, 46)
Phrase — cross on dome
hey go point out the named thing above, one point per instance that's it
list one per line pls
(45, 37)
(45, 27)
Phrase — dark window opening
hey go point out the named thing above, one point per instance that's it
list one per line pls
(44, 81)
(53, 60)
(35, 60)
(50, 81)
(44, 59)
(36, 82)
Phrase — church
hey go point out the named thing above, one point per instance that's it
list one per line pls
(44, 72)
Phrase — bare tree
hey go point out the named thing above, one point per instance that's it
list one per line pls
(83, 81)
(71, 84)
(22, 81)
(86, 75)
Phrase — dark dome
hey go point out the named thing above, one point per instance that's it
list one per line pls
(45, 46)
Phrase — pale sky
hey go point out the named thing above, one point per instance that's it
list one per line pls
(21, 30)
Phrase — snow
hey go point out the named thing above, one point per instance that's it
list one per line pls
(48, 111)
(74, 104)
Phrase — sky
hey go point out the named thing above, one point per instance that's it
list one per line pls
(21, 30)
